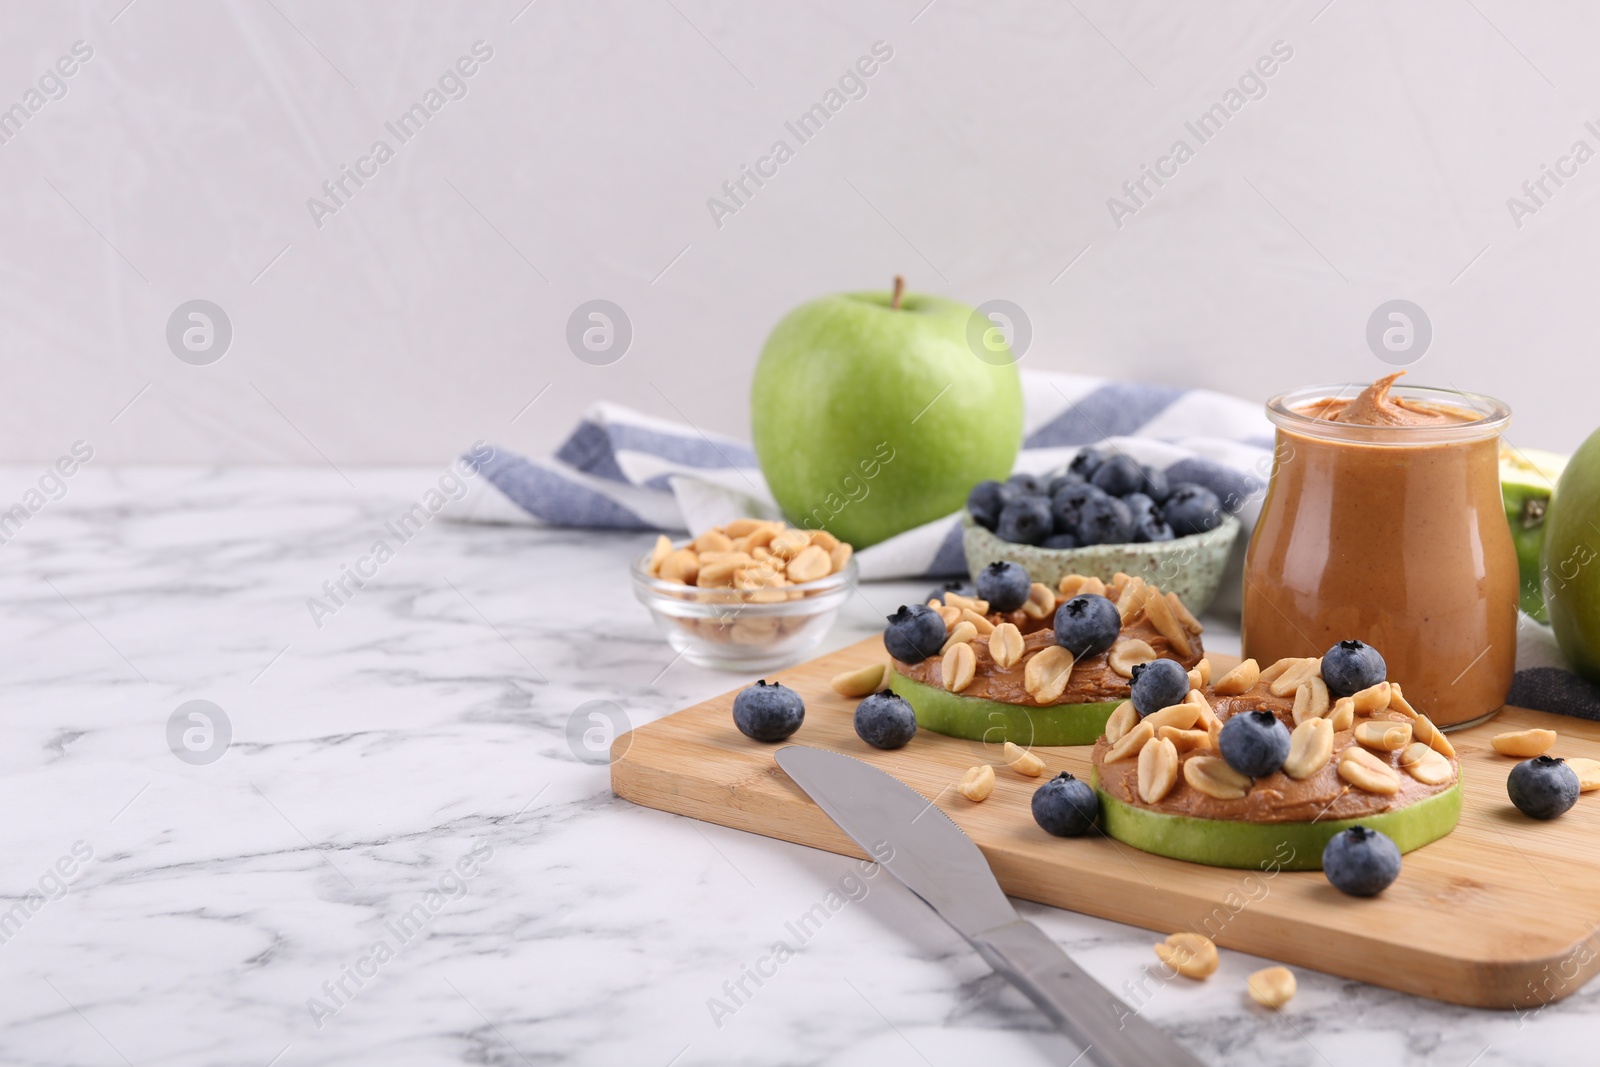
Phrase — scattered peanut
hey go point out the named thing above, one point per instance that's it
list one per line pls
(1005, 645)
(1240, 680)
(1125, 718)
(1022, 761)
(863, 681)
(1158, 769)
(1191, 955)
(957, 667)
(1365, 771)
(1125, 654)
(1310, 748)
(1047, 673)
(1588, 772)
(1212, 776)
(1523, 744)
(977, 783)
(1271, 988)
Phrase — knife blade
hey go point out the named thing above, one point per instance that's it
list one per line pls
(931, 856)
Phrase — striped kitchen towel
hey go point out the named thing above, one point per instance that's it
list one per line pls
(627, 471)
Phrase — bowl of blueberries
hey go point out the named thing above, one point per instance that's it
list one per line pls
(1105, 513)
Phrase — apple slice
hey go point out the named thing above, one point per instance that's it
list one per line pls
(977, 719)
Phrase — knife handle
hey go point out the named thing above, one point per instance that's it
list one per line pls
(1112, 1033)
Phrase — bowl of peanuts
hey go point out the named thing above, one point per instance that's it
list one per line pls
(746, 596)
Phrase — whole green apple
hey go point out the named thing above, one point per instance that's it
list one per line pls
(1572, 559)
(872, 414)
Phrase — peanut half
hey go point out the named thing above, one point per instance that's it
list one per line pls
(1373, 699)
(1293, 678)
(1240, 680)
(962, 633)
(1159, 612)
(1212, 776)
(809, 564)
(1523, 744)
(1182, 716)
(1183, 614)
(1343, 715)
(1383, 735)
(1005, 646)
(977, 783)
(1186, 740)
(958, 666)
(1022, 761)
(956, 600)
(979, 622)
(1588, 772)
(1047, 673)
(1365, 771)
(1041, 602)
(1310, 748)
(863, 681)
(1423, 730)
(1191, 955)
(1311, 700)
(1272, 987)
(1124, 655)
(1130, 743)
(1125, 718)
(1426, 765)
(1158, 769)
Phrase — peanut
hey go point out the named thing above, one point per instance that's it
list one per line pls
(1047, 674)
(957, 667)
(1426, 765)
(1041, 602)
(977, 783)
(1310, 748)
(1125, 718)
(1005, 645)
(1383, 735)
(1182, 716)
(1588, 772)
(1311, 700)
(1240, 680)
(1365, 771)
(1523, 744)
(1190, 955)
(1373, 699)
(1125, 654)
(1130, 743)
(863, 681)
(1185, 740)
(809, 564)
(1272, 987)
(1424, 730)
(1158, 769)
(1212, 776)
(961, 634)
(1022, 761)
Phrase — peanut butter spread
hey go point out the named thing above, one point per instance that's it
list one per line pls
(1092, 678)
(1323, 797)
(1375, 407)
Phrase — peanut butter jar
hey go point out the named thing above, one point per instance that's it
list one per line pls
(1383, 522)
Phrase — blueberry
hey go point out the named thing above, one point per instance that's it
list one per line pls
(1061, 481)
(1004, 585)
(1060, 540)
(768, 712)
(1192, 509)
(1543, 787)
(1028, 483)
(885, 720)
(1151, 527)
(1118, 475)
(1158, 684)
(1086, 462)
(1066, 505)
(1104, 521)
(1065, 806)
(1254, 743)
(1139, 505)
(983, 503)
(1087, 625)
(914, 633)
(1351, 666)
(1025, 521)
(1361, 862)
(958, 586)
(1155, 485)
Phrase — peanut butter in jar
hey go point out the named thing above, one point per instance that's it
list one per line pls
(1383, 522)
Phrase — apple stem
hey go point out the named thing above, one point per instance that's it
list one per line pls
(899, 291)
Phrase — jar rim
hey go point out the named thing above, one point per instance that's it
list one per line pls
(1493, 416)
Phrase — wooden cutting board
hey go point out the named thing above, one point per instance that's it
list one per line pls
(1502, 913)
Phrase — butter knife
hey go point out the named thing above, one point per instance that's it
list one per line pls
(931, 856)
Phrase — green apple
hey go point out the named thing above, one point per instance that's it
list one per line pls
(872, 414)
(1572, 559)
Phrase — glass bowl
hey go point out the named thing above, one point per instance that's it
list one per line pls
(740, 629)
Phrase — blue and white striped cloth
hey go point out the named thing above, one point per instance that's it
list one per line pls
(627, 471)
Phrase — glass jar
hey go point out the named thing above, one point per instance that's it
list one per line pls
(1393, 535)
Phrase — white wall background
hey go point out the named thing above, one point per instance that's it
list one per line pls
(432, 308)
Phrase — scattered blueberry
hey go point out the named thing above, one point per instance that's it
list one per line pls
(1004, 585)
(1066, 505)
(914, 633)
(1061, 481)
(1360, 862)
(1087, 625)
(1155, 485)
(984, 504)
(1151, 527)
(1025, 521)
(1118, 476)
(1543, 787)
(1065, 806)
(768, 712)
(1254, 743)
(1028, 483)
(1192, 509)
(1104, 521)
(1060, 540)
(1158, 684)
(885, 720)
(1086, 462)
(958, 586)
(1351, 666)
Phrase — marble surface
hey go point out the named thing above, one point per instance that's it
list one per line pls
(399, 813)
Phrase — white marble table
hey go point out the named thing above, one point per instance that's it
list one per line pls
(419, 733)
